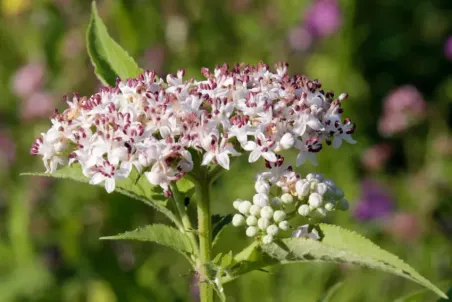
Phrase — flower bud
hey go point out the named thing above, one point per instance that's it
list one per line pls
(284, 225)
(244, 207)
(251, 220)
(342, 205)
(287, 141)
(329, 206)
(315, 200)
(236, 204)
(304, 210)
(287, 198)
(260, 200)
(261, 186)
(310, 176)
(272, 230)
(320, 213)
(238, 220)
(321, 188)
(267, 239)
(279, 216)
(251, 231)
(255, 210)
(263, 223)
(302, 187)
(267, 212)
(339, 193)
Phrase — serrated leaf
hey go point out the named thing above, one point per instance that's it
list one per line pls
(218, 224)
(337, 245)
(141, 190)
(109, 59)
(227, 260)
(158, 233)
(328, 297)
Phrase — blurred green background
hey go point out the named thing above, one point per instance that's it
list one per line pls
(394, 58)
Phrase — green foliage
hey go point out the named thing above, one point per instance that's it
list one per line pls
(218, 224)
(110, 60)
(134, 186)
(337, 245)
(158, 233)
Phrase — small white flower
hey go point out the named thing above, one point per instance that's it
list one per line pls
(287, 141)
(302, 188)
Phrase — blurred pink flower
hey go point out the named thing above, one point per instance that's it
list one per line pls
(403, 107)
(7, 149)
(154, 58)
(374, 157)
(403, 226)
(299, 38)
(73, 43)
(28, 79)
(38, 105)
(323, 17)
(448, 48)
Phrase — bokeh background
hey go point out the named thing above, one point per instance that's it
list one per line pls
(394, 58)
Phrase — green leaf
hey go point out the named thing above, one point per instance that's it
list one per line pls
(159, 233)
(141, 190)
(109, 59)
(331, 292)
(218, 224)
(337, 245)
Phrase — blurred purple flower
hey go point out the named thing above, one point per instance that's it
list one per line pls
(28, 79)
(154, 58)
(375, 202)
(448, 48)
(323, 18)
(374, 157)
(38, 105)
(403, 107)
(299, 38)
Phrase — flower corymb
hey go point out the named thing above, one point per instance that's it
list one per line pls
(155, 125)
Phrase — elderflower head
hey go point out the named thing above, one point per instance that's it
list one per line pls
(154, 126)
(312, 197)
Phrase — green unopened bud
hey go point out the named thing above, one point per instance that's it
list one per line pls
(329, 206)
(342, 205)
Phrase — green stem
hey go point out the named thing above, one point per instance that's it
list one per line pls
(205, 235)
(186, 226)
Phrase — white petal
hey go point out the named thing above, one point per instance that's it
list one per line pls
(348, 138)
(208, 156)
(337, 142)
(270, 156)
(301, 158)
(314, 123)
(249, 146)
(110, 185)
(223, 160)
(254, 156)
(97, 179)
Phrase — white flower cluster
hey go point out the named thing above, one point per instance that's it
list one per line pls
(280, 194)
(154, 125)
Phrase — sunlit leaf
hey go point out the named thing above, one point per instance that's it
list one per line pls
(158, 233)
(141, 190)
(337, 245)
(110, 60)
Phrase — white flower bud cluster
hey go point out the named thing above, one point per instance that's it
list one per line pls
(280, 194)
